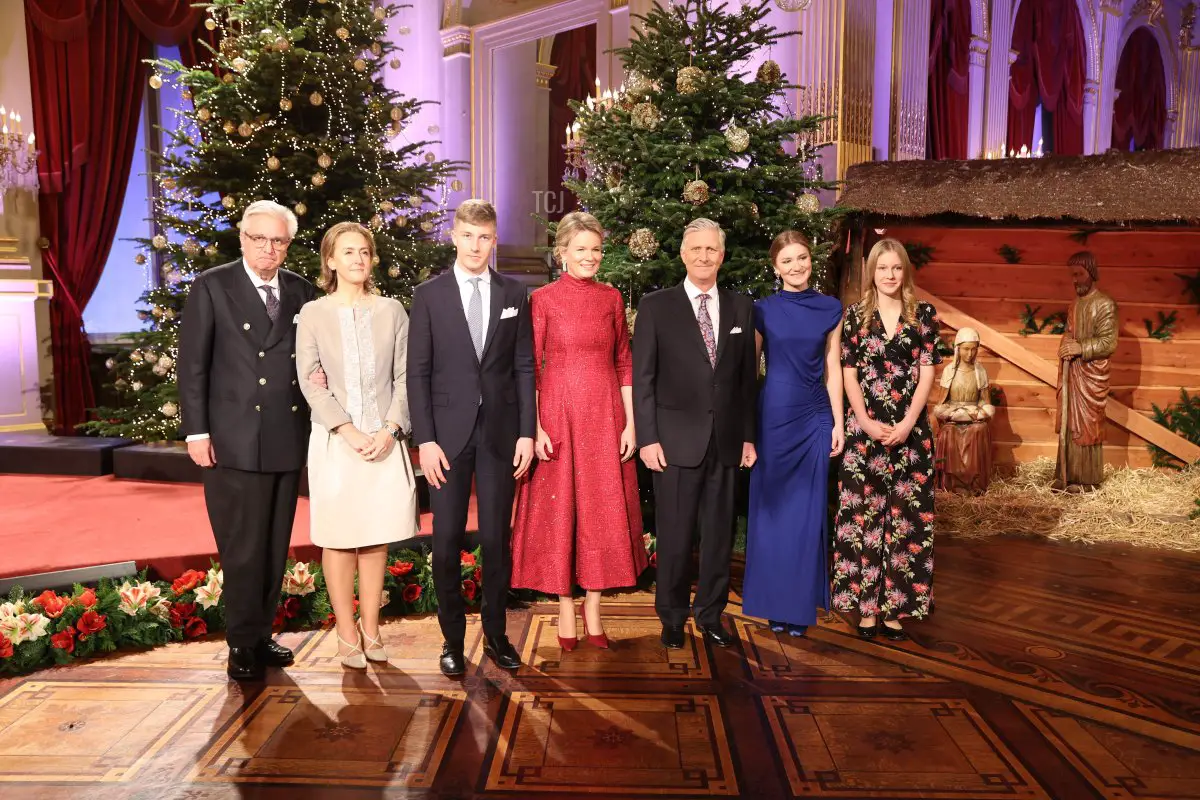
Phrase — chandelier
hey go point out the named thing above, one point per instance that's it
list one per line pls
(18, 158)
(793, 5)
(576, 161)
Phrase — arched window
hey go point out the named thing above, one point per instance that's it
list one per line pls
(1140, 110)
(1047, 77)
(949, 79)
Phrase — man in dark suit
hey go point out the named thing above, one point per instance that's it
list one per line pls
(247, 424)
(694, 385)
(471, 396)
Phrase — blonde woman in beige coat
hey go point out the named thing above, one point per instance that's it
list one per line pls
(362, 493)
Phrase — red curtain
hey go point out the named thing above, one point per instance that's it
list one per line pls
(574, 54)
(1049, 71)
(1140, 112)
(86, 65)
(949, 79)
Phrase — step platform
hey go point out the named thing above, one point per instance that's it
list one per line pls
(41, 454)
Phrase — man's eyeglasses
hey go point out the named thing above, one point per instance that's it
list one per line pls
(261, 242)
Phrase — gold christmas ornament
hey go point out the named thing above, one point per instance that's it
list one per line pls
(136, 386)
(159, 242)
(318, 179)
(204, 114)
(376, 48)
(644, 116)
(285, 104)
(227, 77)
(157, 312)
(186, 94)
(228, 127)
(397, 113)
(415, 201)
(376, 222)
(165, 362)
(136, 356)
(380, 13)
(168, 183)
(110, 363)
(430, 158)
(643, 244)
(191, 246)
(637, 84)
(244, 129)
(695, 192)
(393, 272)
(210, 24)
(273, 163)
(316, 99)
(612, 180)
(427, 226)
(456, 185)
(155, 81)
(754, 210)
(169, 409)
(738, 138)
(689, 80)
(240, 64)
(324, 161)
(386, 206)
(300, 209)
(168, 314)
(159, 371)
(342, 33)
(282, 44)
(808, 203)
(375, 261)
(139, 259)
(210, 251)
(768, 72)
(227, 201)
(360, 65)
(401, 222)
(394, 63)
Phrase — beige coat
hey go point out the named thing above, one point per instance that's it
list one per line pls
(369, 392)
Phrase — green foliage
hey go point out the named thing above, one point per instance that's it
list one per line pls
(1054, 324)
(918, 254)
(636, 176)
(1009, 253)
(1184, 419)
(1191, 284)
(257, 129)
(1164, 329)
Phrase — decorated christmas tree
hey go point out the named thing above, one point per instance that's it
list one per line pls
(689, 135)
(291, 107)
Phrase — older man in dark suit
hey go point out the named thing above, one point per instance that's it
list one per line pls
(246, 423)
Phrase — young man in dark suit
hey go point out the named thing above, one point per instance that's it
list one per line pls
(694, 385)
(471, 396)
(247, 424)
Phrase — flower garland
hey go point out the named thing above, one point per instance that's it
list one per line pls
(49, 629)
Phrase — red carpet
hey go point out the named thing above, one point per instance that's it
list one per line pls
(50, 523)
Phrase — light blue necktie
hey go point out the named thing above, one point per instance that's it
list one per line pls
(475, 317)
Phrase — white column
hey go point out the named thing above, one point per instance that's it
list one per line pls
(520, 112)
(977, 96)
(910, 98)
(1097, 123)
(1099, 94)
(456, 110)
(995, 112)
(1186, 130)
(882, 133)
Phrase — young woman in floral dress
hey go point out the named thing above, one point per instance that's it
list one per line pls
(883, 562)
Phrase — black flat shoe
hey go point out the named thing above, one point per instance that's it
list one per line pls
(893, 634)
(501, 652)
(452, 663)
(717, 635)
(244, 664)
(776, 627)
(797, 631)
(865, 632)
(672, 637)
(273, 654)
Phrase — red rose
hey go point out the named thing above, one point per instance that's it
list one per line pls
(195, 628)
(400, 568)
(65, 640)
(90, 623)
(181, 613)
(478, 575)
(188, 581)
(87, 598)
(468, 589)
(412, 593)
(291, 607)
(468, 559)
(52, 604)
(6, 647)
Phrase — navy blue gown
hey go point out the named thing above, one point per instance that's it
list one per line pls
(787, 563)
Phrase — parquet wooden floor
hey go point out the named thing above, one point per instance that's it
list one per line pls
(1046, 671)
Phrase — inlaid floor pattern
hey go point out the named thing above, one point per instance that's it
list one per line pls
(1046, 672)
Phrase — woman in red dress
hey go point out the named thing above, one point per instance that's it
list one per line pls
(578, 518)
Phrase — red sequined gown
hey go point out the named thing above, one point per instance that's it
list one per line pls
(578, 518)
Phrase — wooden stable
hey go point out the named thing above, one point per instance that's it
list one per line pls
(973, 220)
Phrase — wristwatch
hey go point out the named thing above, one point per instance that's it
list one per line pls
(395, 431)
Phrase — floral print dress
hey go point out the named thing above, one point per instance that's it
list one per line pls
(883, 548)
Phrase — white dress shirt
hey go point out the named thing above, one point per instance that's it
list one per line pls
(257, 281)
(465, 290)
(714, 304)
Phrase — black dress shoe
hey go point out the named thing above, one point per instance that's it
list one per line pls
(893, 634)
(865, 632)
(501, 652)
(672, 636)
(717, 635)
(272, 654)
(452, 662)
(244, 664)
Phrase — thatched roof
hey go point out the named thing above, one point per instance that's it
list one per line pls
(1148, 187)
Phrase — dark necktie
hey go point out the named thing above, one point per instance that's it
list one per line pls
(706, 330)
(272, 302)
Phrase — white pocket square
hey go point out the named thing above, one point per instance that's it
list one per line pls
(735, 330)
(296, 320)
(511, 311)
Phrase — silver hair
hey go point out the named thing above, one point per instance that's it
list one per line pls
(273, 209)
(702, 224)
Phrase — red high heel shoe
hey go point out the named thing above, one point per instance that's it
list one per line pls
(568, 644)
(600, 641)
